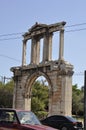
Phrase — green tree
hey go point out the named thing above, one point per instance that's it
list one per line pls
(6, 94)
(77, 101)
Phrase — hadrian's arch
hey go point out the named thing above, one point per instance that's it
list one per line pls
(29, 83)
(57, 72)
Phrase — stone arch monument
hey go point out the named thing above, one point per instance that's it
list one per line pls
(58, 72)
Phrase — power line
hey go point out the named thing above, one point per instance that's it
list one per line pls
(10, 34)
(74, 30)
(80, 24)
(12, 38)
(9, 57)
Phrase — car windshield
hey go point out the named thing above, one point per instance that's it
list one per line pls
(71, 118)
(28, 117)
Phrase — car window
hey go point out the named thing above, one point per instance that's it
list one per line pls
(56, 117)
(51, 118)
(7, 116)
(71, 118)
(63, 118)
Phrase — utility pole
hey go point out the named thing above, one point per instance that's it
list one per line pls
(4, 78)
(85, 100)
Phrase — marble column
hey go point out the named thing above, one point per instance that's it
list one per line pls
(45, 48)
(33, 50)
(24, 53)
(37, 51)
(61, 45)
(50, 47)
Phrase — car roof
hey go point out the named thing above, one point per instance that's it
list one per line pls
(57, 115)
(12, 109)
(64, 116)
(7, 109)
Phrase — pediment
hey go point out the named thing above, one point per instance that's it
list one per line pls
(37, 26)
(40, 29)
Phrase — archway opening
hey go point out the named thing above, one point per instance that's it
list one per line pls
(40, 97)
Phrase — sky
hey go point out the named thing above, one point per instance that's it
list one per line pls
(17, 16)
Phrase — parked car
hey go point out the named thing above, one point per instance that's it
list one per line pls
(11, 119)
(62, 122)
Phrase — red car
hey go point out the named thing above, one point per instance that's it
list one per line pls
(12, 119)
